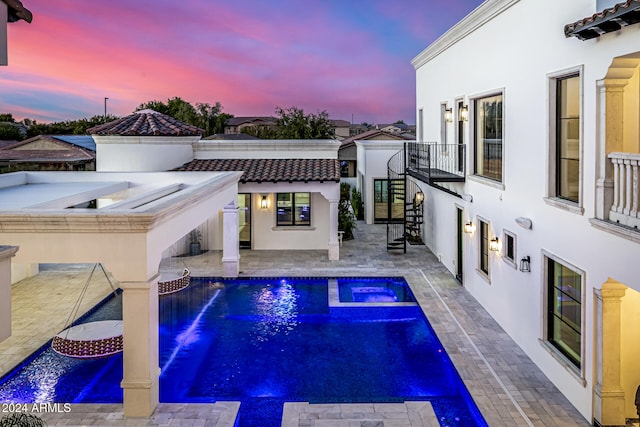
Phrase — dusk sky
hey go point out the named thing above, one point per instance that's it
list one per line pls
(350, 58)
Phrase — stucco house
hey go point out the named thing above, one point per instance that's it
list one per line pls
(527, 160)
(287, 197)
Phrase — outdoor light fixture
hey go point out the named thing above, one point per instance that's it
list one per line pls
(468, 227)
(419, 197)
(464, 113)
(525, 264)
(264, 203)
(493, 244)
(448, 115)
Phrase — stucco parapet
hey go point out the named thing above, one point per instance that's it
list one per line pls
(381, 144)
(279, 145)
(124, 220)
(474, 20)
(140, 140)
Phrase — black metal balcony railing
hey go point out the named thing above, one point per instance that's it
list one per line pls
(433, 162)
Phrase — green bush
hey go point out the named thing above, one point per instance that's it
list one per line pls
(357, 203)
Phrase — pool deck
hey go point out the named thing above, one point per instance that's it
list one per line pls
(505, 384)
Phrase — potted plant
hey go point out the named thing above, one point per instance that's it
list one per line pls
(194, 247)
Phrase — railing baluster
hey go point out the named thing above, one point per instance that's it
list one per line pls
(626, 189)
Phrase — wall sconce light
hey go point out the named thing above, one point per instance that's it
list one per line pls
(264, 203)
(448, 115)
(468, 227)
(494, 244)
(464, 113)
(525, 264)
(419, 198)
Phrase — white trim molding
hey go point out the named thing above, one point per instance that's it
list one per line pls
(476, 19)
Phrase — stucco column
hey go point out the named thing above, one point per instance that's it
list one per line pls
(608, 396)
(141, 361)
(6, 253)
(231, 241)
(334, 248)
(609, 136)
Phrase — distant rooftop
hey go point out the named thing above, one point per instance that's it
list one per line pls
(146, 123)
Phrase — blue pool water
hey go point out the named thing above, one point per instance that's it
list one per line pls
(264, 342)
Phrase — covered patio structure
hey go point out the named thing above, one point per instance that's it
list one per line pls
(124, 221)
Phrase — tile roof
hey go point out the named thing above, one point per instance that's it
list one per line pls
(374, 133)
(270, 170)
(146, 123)
(606, 21)
(17, 11)
(63, 151)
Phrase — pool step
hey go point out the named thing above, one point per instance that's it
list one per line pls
(407, 414)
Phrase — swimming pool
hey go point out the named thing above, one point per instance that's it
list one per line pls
(264, 342)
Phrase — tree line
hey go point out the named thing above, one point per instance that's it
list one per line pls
(291, 123)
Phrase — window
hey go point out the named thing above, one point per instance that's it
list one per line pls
(445, 117)
(509, 248)
(564, 310)
(420, 125)
(347, 168)
(484, 247)
(567, 138)
(294, 209)
(488, 137)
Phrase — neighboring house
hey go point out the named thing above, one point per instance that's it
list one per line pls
(398, 128)
(10, 11)
(530, 185)
(351, 173)
(49, 152)
(341, 128)
(235, 125)
(287, 197)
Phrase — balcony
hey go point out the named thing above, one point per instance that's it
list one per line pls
(432, 162)
(624, 209)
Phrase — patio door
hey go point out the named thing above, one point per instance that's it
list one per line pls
(244, 220)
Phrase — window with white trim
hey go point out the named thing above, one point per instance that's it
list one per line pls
(564, 309)
(509, 248)
(487, 137)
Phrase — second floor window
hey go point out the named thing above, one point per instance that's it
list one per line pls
(488, 137)
(567, 121)
(293, 209)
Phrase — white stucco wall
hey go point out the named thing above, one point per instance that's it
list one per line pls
(265, 234)
(499, 57)
(372, 161)
(142, 153)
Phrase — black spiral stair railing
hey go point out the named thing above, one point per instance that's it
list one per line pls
(404, 205)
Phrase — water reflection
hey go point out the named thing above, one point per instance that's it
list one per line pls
(277, 308)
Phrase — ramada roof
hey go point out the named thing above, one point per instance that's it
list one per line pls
(146, 123)
(270, 170)
(606, 21)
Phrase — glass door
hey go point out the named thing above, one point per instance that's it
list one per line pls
(244, 220)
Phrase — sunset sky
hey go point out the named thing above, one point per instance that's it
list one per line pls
(350, 58)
